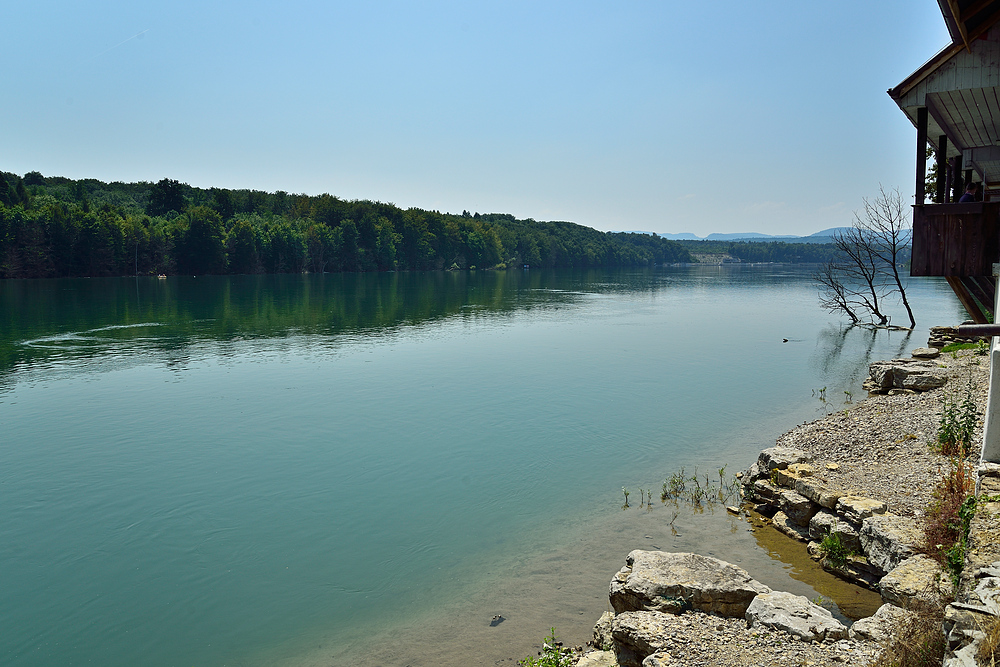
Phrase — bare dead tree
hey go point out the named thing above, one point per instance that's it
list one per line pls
(885, 225)
(833, 294)
(867, 271)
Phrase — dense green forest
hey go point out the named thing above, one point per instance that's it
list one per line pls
(54, 226)
(771, 251)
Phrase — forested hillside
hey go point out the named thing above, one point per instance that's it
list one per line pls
(769, 251)
(53, 226)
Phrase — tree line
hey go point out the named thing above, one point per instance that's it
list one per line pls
(765, 251)
(60, 227)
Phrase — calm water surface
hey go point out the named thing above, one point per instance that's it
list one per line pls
(363, 469)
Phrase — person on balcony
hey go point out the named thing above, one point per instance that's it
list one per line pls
(971, 190)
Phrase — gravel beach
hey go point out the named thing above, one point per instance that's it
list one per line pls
(879, 447)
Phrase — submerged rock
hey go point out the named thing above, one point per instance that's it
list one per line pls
(790, 528)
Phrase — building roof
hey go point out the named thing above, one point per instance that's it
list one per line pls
(968, 19)
(960, 86)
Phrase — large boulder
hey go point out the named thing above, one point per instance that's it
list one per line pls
(915, 374)
(916, 582)
(672, 582)
(889, 540)
(795, 615)
(882, 624)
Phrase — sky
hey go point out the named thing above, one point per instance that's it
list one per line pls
(710, 116)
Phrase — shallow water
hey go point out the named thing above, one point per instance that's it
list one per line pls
(364, 469)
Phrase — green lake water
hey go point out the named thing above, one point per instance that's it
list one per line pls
(364, 469)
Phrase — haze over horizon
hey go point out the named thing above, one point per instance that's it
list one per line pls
(716, 117)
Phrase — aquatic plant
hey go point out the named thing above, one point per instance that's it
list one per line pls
(833, 549)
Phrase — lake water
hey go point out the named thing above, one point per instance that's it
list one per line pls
(364, 469)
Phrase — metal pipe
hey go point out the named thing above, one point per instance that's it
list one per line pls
(979, 330)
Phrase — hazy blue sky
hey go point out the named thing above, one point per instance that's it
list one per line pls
(708, 116)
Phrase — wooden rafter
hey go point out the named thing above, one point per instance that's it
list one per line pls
(956, 12)
(988, 21)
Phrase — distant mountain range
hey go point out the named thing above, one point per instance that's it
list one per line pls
(824, 236)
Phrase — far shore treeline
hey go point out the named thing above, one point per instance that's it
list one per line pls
(59, 227)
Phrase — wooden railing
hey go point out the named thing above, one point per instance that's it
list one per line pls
(955, 239)
(960, 242)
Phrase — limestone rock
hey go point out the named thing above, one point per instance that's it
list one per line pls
(659, 659)
(795, 615)
(781, 521)
(856, 508)
(987, 590)
(880, 626)
(824, 523)
(917, 581)
(983, 547)
(781, 457)
(598, 659)
(889, 540)
(638, 634)
(925, 381)
(602, 631)
(964, 657)
(964, 623)
(774, 458)
(797, 508)
(788, 477)
(926, 352)
(764, 490)
(817, 492)
(670, 582)
(915, 374)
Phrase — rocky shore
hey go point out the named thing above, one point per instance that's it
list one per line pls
(865, 474)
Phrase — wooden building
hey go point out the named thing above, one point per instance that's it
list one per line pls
(953, 100)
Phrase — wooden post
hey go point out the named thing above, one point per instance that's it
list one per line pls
(918, 190)
(956, 181)
(941, 158)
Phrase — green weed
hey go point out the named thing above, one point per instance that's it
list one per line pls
(834, 550)
(957, 424)
(552, 654)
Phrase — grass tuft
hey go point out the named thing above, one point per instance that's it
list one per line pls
(990, 646)
(919, 643)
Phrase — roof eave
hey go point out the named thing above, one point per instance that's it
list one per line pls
(925, 70)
